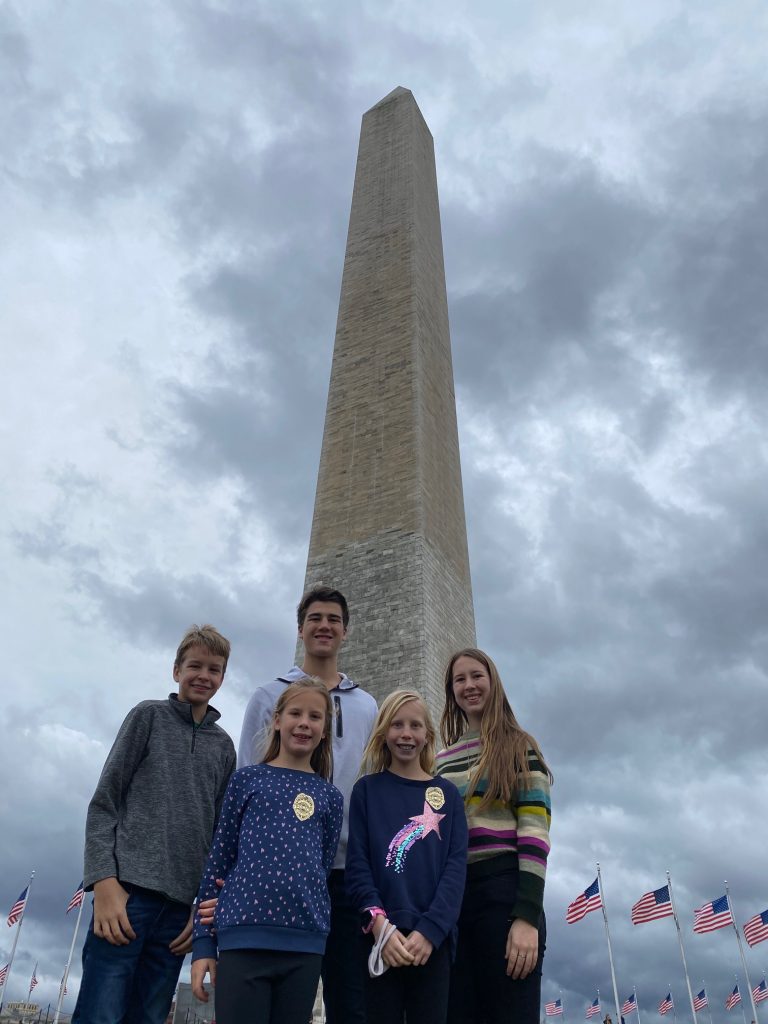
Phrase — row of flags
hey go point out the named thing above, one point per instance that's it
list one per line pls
(759, 993)
(4, 975)
(657, 904)
(660, 903)
(20, 905)
(16, 916)
(700, 1001)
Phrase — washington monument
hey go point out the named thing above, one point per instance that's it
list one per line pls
(388, 527)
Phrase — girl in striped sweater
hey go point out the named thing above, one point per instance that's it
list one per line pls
(504, 780)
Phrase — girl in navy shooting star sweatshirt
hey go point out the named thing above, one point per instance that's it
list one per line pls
(274, 846)
(406, 865)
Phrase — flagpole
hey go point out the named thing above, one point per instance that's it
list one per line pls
(743, 958)
(743, 1011)
(682, 950)
(709, 1005)
(637, 1005)
(674, 1008)
(610, 951)
(562, 1005)
(69, 962)
(15, 940)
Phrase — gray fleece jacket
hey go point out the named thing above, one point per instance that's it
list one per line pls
(152, 817)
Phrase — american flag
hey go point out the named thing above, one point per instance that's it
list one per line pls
(18, 908)
(583, 904)
(3, 973)
(594, 1008)
(78, 898)
(733, 998)
(700, 1000)
(34, 980)
(666, 1004)
(756, 928)
(712, 916)
(629, 1004)
(652, 906)
(553, 1009)
(760, 992)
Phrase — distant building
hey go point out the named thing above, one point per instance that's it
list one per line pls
(189, 1010)
(26, 1012)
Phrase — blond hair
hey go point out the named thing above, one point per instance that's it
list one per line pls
(377, 756)
(206, 636)
(504, 744)
(321, 760)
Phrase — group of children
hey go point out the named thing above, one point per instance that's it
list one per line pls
(432, 914)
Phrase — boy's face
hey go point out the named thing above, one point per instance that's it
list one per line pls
(199, 675)
(323, 630)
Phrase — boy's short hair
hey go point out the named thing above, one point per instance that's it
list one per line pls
(206, 636)
(322, 594)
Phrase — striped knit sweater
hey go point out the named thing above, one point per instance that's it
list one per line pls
(520, 826)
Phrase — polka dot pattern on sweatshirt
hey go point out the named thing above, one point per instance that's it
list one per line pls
(274, 846)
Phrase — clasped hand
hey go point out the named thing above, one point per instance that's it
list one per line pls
(403, 951)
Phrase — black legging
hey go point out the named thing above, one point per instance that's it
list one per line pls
(413, 994)
(265, 986)
(481, 992)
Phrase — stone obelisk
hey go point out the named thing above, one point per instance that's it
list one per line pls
(388, 527)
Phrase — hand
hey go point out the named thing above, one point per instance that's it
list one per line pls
(522, 948)
(420, 946)
(182, 944)
(395, 953)
(207, 908)
(199, 970)
(110, 918)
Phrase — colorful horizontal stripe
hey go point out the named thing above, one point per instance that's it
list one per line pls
(519, 826)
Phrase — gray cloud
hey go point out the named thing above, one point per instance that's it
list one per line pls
(178, 184)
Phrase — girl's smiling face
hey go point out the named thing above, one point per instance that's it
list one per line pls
(471, 688)
(406, 737)
(301, 725)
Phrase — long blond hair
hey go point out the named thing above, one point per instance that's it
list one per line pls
(504, 744)
(376, 756)
(321, 760)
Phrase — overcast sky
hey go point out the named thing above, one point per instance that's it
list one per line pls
(176, 181)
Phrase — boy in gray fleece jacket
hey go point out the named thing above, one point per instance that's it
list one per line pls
(148, 832)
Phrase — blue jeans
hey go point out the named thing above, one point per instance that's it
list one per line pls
(133, 984)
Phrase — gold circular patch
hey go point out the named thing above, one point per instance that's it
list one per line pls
(303, 806)
(435, 797)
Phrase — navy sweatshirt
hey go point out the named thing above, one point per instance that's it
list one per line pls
(407, 852)
(274, 846)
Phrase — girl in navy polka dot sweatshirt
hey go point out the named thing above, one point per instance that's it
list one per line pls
(274, 846)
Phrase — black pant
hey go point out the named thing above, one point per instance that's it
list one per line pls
(481, 992)
(344, 964)
(418, 995)
(266, 986)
